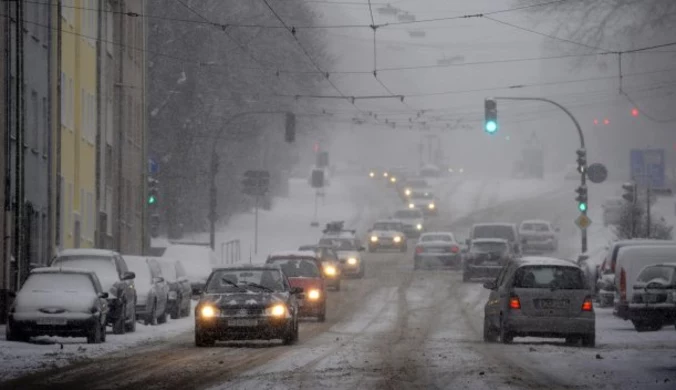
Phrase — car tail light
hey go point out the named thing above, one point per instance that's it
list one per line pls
(514, 303)
(623, 285)
(419, 249)
(587, 305)
(455, 249)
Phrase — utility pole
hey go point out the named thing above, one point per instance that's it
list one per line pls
(5, 164)
(18, 229)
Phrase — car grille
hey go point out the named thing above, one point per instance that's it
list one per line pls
(248, 311)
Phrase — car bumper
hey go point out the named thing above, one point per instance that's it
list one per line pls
(387, 244)
(265, 328)
(526, 326)
(351, 270)
(659, 312)
(310, 308)
(74, 326)
(450, 260)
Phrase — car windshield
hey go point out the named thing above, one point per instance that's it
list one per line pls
(494, 231)
(104, 267)
(656, 272)
(550, 277)
(437, 237)
(387, 226)
(340, 244)
(297, 268)
(239, 280)
(408, 214)
(489, 246)
(59, 283)
(535, 227)
(140, 267)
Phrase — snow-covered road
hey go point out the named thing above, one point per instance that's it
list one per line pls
(394, 329)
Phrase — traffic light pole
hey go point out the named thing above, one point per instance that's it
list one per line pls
(583, 174)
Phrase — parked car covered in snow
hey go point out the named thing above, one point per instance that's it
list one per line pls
(115, 277)
(59, 302)
(152, 292)
(654, 299)
(180, 292)
(539, 297)
(198, 260)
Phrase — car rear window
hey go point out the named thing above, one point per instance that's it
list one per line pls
(487, 246)
(656, 272)
(297, 268)
(548, 276)
(494, 231)
(61, 283)
(536, 227)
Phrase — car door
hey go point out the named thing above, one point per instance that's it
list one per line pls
(496, 296)
(128, 285)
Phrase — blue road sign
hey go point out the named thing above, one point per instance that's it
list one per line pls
(153, 167)
(647, 167)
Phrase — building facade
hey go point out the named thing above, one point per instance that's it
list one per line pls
(4, 112)
(79, 111)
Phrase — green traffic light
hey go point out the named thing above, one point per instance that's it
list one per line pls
(152, 199)
(582, 206)
(491, 127)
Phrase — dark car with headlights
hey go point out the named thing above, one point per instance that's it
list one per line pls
(485, 258)
(331, 266)
(437, 249)
(254, 302)
(303, 270)
(115, 278)
(59, 302)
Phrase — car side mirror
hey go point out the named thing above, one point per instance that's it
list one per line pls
(490, 285)
(297, 290)
(103, 295)
(128, 275)
(158, 279)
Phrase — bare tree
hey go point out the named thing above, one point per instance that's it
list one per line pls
(633, 224)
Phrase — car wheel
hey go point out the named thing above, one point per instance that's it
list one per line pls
(362, 271)
(646, 326)
(291, 334)
(175, 312)
(119, 326)
(103, 333)
(490, 336)
(202, 340)
(589, 340)
(94, 334)
(403, 249)
(506, 337)
(162, 319)
(131, 325)
(152, 317)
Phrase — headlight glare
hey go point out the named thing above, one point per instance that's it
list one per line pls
(314, 294)
(397, 239)
(374, 238)
(352, 261)
(330, 270)
(277, 310)
(431, 206)
(411, 205)
(408, 191)
(207, 311)
(418, 226)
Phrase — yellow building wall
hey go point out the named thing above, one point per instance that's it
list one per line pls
(78, 130)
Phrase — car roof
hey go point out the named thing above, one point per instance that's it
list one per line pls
(539, 221)
(500, 240)
(643, 242)
(61, 270)
(134, 258)
(87, 252)
(341, 234)
(543, 260)
(628, 250)
(248, 267)
(494, 224)
(293, 254)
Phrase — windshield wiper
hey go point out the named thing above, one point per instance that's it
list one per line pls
(230, 282)
(259, 286)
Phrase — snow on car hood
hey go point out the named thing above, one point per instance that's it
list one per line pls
(237, 299)
(34, 300)
(385, 233)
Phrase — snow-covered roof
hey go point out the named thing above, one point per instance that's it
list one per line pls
(87, 252)
(134, 258)
(293, 254)
(58, 270)
(543, 260)
(247, 267)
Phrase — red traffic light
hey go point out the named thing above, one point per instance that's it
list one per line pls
(634, 112)
(596, 121)
(316, 147)
(606, 121)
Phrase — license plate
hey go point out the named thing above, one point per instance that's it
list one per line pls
(242, 322)
(553, 304)
(436, 250)
(52, 321)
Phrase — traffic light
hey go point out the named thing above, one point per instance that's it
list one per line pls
(491, 123)
(581, 198)
(634, 112)
(629, 192)
(290, 127)
(152, 192)
(581, 160)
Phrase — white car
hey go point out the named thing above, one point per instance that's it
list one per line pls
(413, 221)
(538, 235)
(387, 234)
(424, 201)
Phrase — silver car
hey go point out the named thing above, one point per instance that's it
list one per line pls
(540, 297)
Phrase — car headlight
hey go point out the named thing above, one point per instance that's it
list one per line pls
(352, 261)
(277, 310)
(462, 170)
(418, 226)
(374, 238)
(393, 179)
(411, 205)
(397, 239)
(385, 174)
(207, 311)
(313, 294)
(330, 270)
(372, 174)
(407, 192)
(431, 206)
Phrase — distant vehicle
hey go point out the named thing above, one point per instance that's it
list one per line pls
(59, 302)
(180, 292)
(485, 258)
(152, 292)
(115, 277)
(411, 185)
(506, 231)
(655, 296)
(197, 259)
(331, 266)
(247, 302)
(348, 247)
(605, 286)
(437, 249)
(425, 201)
(538, 235)
(612, 211)
(304, 270)
(630, 262)
(413, 221)
(539, 297)
(430, 170)
(387, 234)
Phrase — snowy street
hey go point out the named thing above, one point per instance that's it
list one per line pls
(394, 329)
